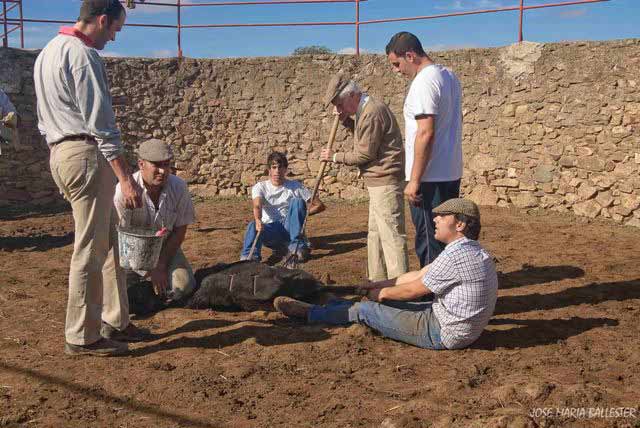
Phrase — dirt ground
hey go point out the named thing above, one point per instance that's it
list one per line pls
(560, 351)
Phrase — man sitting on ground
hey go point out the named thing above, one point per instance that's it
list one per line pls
(166, 203)
(462, 279)
(279, 210)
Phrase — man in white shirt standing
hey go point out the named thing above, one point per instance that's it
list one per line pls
(433, 137)
(279, 210)
(75, 114)
(166, 203)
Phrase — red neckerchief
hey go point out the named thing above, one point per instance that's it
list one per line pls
(71, 31)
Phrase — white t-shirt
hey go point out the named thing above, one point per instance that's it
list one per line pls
(436, 91)
(275, 199)
(175, 208)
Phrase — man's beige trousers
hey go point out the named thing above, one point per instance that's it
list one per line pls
(97, 287)
(181, 279)
(387, 239)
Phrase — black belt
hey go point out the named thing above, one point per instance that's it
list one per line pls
(75, 138)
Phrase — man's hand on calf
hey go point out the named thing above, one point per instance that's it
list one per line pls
(159, 279)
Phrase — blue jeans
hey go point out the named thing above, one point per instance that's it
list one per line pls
(433, 194)
(408, 322)
(276, 234)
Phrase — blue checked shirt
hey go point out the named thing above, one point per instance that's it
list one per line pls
(465, 284)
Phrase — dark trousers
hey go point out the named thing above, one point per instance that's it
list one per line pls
(433, 194)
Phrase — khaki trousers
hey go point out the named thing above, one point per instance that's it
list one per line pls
(97, 286)
(387, 239)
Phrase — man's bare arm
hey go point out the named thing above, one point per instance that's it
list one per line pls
(130, 189)
(422, 149)
(407, 291)
(172, 245)
(159, 275)
(257, 213)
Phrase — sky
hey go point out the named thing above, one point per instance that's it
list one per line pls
(616, 19)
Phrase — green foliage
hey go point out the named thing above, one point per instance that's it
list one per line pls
(312, 50)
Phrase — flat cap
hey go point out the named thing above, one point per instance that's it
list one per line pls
(458, 206)
(337, 83)
(155, 150)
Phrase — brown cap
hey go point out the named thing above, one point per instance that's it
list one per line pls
(155, 151)
(458, 206)
(91, 8)
(337, 83)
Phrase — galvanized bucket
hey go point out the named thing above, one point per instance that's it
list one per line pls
(139, 248)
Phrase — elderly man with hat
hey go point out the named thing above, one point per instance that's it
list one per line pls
(462, 281)
(166, 203)
(379, 155)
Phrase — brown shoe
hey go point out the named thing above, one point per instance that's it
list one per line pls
(101, 348)
(130, 334)
(291, 307)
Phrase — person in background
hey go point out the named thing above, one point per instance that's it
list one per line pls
(279, 210)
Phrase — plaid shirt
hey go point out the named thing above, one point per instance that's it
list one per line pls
(464, 280)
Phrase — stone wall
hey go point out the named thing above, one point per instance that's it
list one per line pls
(554, 126)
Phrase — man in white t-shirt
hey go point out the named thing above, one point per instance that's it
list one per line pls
(279, 210)
(166, 203)
(433, 137)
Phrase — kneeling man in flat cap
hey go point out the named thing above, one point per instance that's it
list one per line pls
(166, 203)
(462, 281)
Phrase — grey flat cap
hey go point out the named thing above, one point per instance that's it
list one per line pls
(338, 82)
(155, 150)
(458, 206)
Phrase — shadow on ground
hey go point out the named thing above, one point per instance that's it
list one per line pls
(35, 243)
(264, 334)
(590, 294)
(21, 212)
(531, 333)
(337, 244)
(532, 275)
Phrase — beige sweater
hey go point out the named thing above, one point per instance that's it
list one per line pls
(377, 148)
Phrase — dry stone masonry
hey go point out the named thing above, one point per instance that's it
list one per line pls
(554, 126)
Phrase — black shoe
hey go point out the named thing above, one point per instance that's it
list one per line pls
(130, 334)
(101, 348)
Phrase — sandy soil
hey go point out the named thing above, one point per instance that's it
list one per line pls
(565, 337)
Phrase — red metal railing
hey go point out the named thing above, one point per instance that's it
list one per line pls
(13, 24)
(6, 26)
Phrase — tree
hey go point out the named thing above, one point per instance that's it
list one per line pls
(312, 50)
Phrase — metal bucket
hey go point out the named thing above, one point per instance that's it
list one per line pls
(139, 248)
